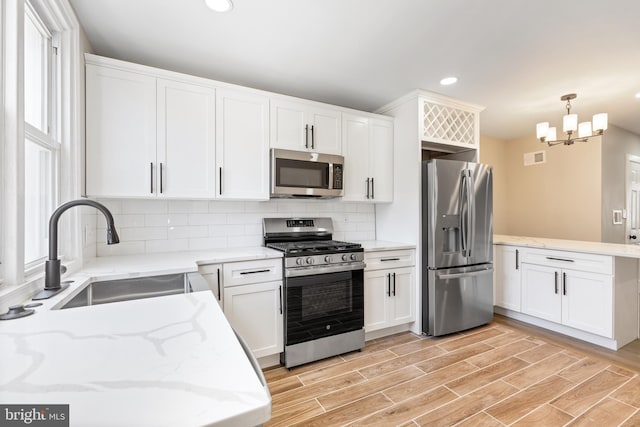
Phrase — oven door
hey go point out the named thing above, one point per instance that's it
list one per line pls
(321, 305)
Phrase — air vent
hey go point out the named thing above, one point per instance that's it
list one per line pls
(535, 158)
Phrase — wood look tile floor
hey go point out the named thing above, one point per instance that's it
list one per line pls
(501, 374)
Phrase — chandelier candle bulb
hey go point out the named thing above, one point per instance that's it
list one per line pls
(542, 129)
(600, 123)
(570, 123)
(584, 129)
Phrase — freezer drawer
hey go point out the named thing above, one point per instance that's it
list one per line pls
(457, 299)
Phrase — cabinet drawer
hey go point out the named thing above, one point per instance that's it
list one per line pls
(389, 259)
(574, 260)
(245, 272)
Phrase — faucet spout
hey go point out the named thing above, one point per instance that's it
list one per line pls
(52, 284)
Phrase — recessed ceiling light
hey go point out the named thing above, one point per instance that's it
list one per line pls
(448, 81)
(219, 5)
(638, 95)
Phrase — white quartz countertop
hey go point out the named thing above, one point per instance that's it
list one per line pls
(164, 361)
(381, 245)
(613, 249)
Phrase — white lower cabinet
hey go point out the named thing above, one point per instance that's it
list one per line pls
(389, 293)
(212, 273)
(507, 289)
(255, 312)
(253, 303)
(581, 300)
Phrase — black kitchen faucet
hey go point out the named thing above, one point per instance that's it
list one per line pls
(52, 267)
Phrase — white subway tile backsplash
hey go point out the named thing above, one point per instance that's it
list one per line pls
(207, 218)
(155, 246)
(135, 206)
(208, 243)
(188, 206)
(166, 220)
(148, 226)
(188, 232)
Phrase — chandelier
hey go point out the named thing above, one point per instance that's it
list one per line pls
(570, 125)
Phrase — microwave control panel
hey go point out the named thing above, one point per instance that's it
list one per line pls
(337, 176)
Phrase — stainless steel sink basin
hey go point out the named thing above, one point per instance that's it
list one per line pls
(108, 291)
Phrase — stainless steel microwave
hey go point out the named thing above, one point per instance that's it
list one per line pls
(306, 174)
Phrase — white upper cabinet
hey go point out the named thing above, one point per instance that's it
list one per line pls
(368, 151)
(242, 159)
(302, 126)
(186, 140)
(120, 133)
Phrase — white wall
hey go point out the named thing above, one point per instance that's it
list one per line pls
(149, 226)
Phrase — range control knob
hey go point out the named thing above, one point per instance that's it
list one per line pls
(309, 260)
(345, 257)
(328, 259)
(353, 257)
(299, 261)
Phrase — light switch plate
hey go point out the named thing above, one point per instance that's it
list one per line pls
(617, 216)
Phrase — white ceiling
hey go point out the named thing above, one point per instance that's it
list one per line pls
(516, 57)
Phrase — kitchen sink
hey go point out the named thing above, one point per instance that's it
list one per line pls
(109, 291)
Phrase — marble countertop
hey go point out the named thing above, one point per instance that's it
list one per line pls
(613, 249)
(381, 245)
(165, 361)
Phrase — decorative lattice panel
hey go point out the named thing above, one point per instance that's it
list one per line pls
(448, 124)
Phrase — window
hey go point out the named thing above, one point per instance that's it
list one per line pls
(40, 138)
(41, 141)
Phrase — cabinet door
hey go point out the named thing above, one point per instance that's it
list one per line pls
(355, 132)
(212, 273)
(507, 277)
(186, 140)
(242, 152)
(255, 312)
(289, 129)
(381, 159)
(541, 292)
(376, 299)
(120, 133)
(326, 133)
(587, 301)
(403, 283)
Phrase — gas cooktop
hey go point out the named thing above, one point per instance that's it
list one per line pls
(314, 246)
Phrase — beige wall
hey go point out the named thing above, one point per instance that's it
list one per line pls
(494, 152)
(558, 199)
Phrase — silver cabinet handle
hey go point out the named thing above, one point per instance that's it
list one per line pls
(306, 136)
(219, 294)
(564, 283)
(255, 271)
(394, 284)
(389, 259)
(280, 296)
(312, 138)
(160, 177)
(388, 284)
(367, 188)
(373, 190)
(517, 259)
(220, 179)
(556, 282)
(151, 177)
(560, 259)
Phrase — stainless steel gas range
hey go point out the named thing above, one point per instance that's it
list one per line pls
(323, 289)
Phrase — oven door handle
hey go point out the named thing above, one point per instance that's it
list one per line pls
(313, 270)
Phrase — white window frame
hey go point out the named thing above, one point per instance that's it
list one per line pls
(60, 18)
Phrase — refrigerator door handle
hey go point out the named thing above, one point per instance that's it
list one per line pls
(464, 214)
(471, 216)
(445, 276)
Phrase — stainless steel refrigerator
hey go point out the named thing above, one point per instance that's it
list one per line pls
(457, 246)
